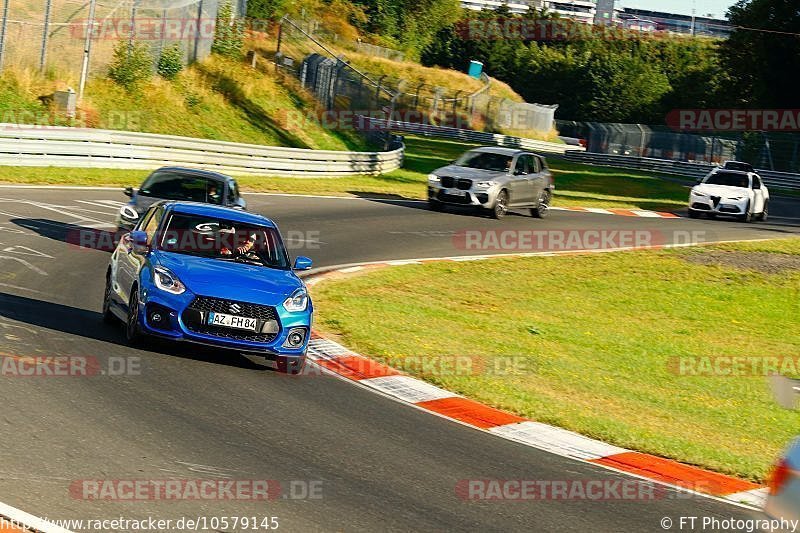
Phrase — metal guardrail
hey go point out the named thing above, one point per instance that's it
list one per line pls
(471, 136)
(780, 180)
(42, 146)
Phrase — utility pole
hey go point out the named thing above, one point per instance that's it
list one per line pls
(87, 48)
(45, 34)
(3, 29)
(694, 17)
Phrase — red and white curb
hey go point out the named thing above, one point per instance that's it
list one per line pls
(383, 379)
(619, 212)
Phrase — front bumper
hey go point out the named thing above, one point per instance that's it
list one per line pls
(179, 323)
(474, 197)
(717, 205)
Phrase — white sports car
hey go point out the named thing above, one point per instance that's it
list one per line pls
(730, 193)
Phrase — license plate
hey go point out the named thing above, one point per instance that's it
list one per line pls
(231, 321)
(456, 192)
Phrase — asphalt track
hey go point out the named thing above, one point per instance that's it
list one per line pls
(193, 413)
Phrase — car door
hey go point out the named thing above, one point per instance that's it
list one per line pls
(758, 194)
(537, 180)
(519, 187)
(129, 262)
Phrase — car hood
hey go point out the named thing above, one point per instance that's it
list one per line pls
(724, 191)
(470, 173)
(232, 281)
(142, 203)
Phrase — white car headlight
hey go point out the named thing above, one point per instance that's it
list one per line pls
(736, 198)
(485, 184)
(297, 302)
(433, 179)
(167, 281)
(128, 213)
(699, 194)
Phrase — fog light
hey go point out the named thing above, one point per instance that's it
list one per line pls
(158, 316)
(295, 338)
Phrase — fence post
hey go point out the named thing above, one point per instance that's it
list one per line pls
(45, 31)
(133, 27)
(3, 29)
(196, 51)
(87, 48)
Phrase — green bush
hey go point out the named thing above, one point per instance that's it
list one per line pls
(131, 65)
(170, 63)
(228, 33)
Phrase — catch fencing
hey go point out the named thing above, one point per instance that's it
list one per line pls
(93, 148)
(51, 35)
(306, 51)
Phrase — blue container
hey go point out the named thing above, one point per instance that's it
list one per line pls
(475, 69)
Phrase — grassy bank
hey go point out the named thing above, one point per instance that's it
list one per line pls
(577, 185)
(601, 338)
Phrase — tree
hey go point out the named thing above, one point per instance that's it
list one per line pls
(764, 64)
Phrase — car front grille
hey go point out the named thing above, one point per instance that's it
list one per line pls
(701, 207)
(195, 318)
(464, 184)
(448, 182)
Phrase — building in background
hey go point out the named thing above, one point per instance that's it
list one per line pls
(604, 12)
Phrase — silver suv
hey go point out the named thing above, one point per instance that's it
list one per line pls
(497, 179)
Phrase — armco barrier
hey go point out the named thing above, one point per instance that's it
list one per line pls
(779, 180)
(43, 146)
(471, 136)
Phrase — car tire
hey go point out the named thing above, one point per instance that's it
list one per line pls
(500, 208)
(543, 209)
(108, 316)
(764, 216)
(435, 205)
(132, 332)
(748, 216)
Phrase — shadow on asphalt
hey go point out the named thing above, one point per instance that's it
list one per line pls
(78, 236)
(90, 325)
(422, 205)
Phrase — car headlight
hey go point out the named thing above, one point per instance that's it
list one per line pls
(433, 179)
(736, 199)
(485, 184)
(128, 213)
(167, 281)
(297, 302)
(699, 194)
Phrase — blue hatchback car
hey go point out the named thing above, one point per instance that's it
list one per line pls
(210, 275)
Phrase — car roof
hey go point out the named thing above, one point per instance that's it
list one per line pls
(197, 172)
(209, 210)
(731, 171)
(501, 150)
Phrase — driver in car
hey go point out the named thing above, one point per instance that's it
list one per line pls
(245, 248)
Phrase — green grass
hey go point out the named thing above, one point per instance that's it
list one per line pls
(596, 335)
(576, 185)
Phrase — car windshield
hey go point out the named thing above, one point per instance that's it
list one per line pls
(485, 161)
(743, 167)
(224, 240)
(184, 187)
(731, 179)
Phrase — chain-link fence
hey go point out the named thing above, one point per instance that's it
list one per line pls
(318, 59)
(769, 151)
(51, 35)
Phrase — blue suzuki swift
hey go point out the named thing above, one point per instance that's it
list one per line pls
(210, 275)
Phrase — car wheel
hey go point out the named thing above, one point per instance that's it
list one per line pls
(132, 332)
(435, 205)
(748, 216)
(108, 316)
(764, 214)
(500, 208)
(543, 209)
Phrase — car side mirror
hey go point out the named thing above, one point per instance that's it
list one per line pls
(241, 203)
(128, 192)
(303, 263)
(139, 242)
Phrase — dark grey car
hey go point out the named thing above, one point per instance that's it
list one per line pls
(177, 183)
(496, 179)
